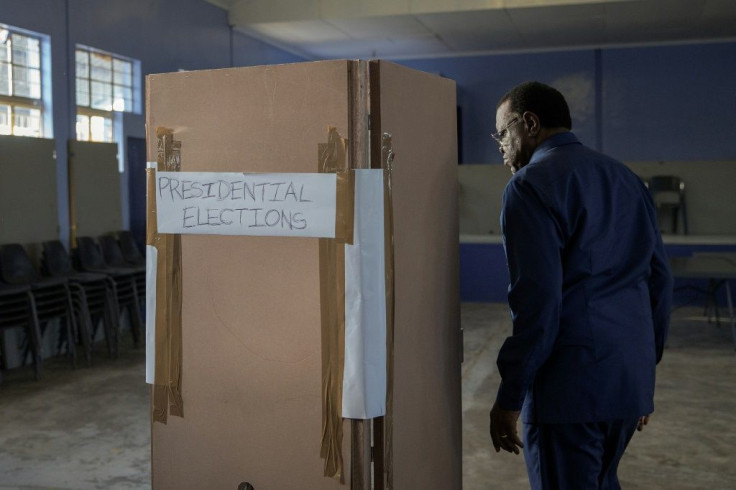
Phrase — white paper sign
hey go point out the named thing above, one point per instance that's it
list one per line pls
(364, 376)
(230, 203)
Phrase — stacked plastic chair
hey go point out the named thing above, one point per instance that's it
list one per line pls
(668, 193)
(89, 258)
(112, 251)
(129, 248)
(92, 294)
(52, 296)
(18, 310)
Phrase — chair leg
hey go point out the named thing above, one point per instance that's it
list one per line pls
(110, 323)
(84, 321)
(135, 317)
(116, 308)
(711, 304)
(715, 286)
(675, 219)
(71, 329)
(3, 361)
(34, 336)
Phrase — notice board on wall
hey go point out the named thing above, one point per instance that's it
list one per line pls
(28, 192)
(94, 189)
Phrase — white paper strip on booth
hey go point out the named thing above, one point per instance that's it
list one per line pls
(231, 203)
(151, 272)
(364, 376)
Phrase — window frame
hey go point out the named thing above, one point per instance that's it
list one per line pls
(22, 101)
(129, 105)
(115, 116)
(90, 113)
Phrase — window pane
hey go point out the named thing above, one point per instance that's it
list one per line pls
(122, 98)
(4, 79)
(109, 81)
(21, 82)
(26, 82)
(5, 127)
(101, 96)
(27, 122)
(83, 92)
(4, 45)
(100, 128)
(35, 81)
(101, 67)
(26, 51)
(122, 72)
(82, 64)
(82, 127)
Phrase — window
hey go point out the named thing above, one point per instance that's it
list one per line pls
(21, 103)
(104, 86)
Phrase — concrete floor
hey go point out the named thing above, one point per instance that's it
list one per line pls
(89, 428)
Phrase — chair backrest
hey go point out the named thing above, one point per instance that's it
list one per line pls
(55, 260)
(111, 251)
(88, 254)
(666, 183)
(668, 193)
(15, 265)
(129, 247)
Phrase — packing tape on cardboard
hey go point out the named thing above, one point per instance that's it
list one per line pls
(166, 328)
(387, 159)
(332, 158)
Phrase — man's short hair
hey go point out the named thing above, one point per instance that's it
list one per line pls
(544, 101)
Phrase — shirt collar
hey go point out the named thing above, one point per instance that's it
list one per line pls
(559, 139)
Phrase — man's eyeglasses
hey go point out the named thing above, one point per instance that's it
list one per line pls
(501, 135)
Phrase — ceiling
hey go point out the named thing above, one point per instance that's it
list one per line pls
(324, 29)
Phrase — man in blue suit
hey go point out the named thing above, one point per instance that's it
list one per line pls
(590, 295)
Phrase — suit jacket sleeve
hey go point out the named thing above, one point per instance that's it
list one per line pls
(533, 243)
(660, 286)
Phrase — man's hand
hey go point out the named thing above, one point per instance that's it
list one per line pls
(643, 420)
(503, 430)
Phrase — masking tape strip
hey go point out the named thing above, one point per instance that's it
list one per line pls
(176, 403)
(387, 158)
(170, 156)
(345, 210)
(332, 158)
(168, 339)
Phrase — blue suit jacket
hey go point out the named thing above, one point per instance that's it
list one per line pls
(590, 289)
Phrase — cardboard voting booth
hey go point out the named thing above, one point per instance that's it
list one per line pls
(303, 308)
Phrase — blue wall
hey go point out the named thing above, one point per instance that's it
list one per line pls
(654, 103)
(482, 80)
(674, 102)
(670, 103)
(165, 35)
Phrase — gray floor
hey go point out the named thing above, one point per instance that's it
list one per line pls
(88, 428)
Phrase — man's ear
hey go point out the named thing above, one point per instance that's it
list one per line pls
(531, 121)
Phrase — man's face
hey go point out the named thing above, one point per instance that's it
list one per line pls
(513, 142)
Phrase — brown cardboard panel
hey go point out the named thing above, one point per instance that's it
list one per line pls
(251, 326)
(418, 110)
